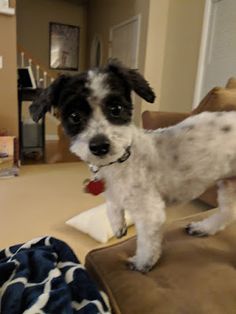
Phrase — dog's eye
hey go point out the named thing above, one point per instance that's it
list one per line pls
(115, 110)
(75, 118)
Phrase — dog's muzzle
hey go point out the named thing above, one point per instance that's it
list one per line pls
(99, 145)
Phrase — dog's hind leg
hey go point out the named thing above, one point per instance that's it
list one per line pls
(225, 215)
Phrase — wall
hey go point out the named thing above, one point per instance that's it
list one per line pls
(103, 14)
(33, 19)
(155, 48)
(112, 13)
(169, 45)
(183, 35)
(8, 76)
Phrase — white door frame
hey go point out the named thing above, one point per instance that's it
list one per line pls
(134, 18)
(202, 52)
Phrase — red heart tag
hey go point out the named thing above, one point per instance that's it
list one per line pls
(95, 187)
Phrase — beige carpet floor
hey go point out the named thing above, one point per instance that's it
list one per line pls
(43, 197)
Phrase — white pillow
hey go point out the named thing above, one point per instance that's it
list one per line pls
(95, 223)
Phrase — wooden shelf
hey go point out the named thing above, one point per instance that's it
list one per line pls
(7, 11)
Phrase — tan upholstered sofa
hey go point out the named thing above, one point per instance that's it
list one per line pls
(194, 275)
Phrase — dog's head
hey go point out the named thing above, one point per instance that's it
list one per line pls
(95, 108)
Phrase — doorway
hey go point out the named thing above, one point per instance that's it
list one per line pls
(124, 45)
(217, 61)
(125, 34)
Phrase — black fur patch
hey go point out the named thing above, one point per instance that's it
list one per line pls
(73, 102)
(70, 95)
(78, 107)
(226, 128)
(117, 109)
(131, 79)
(175, 157)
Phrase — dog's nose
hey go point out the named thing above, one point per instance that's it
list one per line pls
(99, 145)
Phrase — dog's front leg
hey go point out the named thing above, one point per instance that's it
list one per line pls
(149, 224)
(116, 216)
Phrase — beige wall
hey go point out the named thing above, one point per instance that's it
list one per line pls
(182, 42)
(103, 14)
(33, 19)
(8, 76)
(169, 44)
(155, 49)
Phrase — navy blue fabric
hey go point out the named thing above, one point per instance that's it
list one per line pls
(44, 276)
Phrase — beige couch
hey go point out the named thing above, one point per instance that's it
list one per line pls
(194, 275)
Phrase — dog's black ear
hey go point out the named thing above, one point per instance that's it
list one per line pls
(48, 98)
(135, 80)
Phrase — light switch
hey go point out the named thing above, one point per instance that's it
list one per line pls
(1, 62)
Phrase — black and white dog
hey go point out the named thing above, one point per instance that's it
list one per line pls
(143, 170)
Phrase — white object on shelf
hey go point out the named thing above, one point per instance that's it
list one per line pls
(22, 59)
(7, 11)
(45, 74)
(37, 74)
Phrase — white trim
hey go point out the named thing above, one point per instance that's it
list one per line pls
(95, 40)
(7, 11)
(202, 53)
(139, 17)
(34, 86)
(133, 19)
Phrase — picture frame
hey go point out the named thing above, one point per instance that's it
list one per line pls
(64, 47)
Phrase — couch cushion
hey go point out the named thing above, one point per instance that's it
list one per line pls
(153, 120)
(231, 83)
(218, 99)
(194, 275)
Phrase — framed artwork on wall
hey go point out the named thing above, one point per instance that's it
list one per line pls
(63, 46)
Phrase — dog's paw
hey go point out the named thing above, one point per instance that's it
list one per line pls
(121, 232)
(135, 266)
(196, 229)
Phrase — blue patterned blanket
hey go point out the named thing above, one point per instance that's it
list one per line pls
(44, 276)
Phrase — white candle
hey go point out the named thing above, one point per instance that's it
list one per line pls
(37, 74)
(22, 59)
(45, 79)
